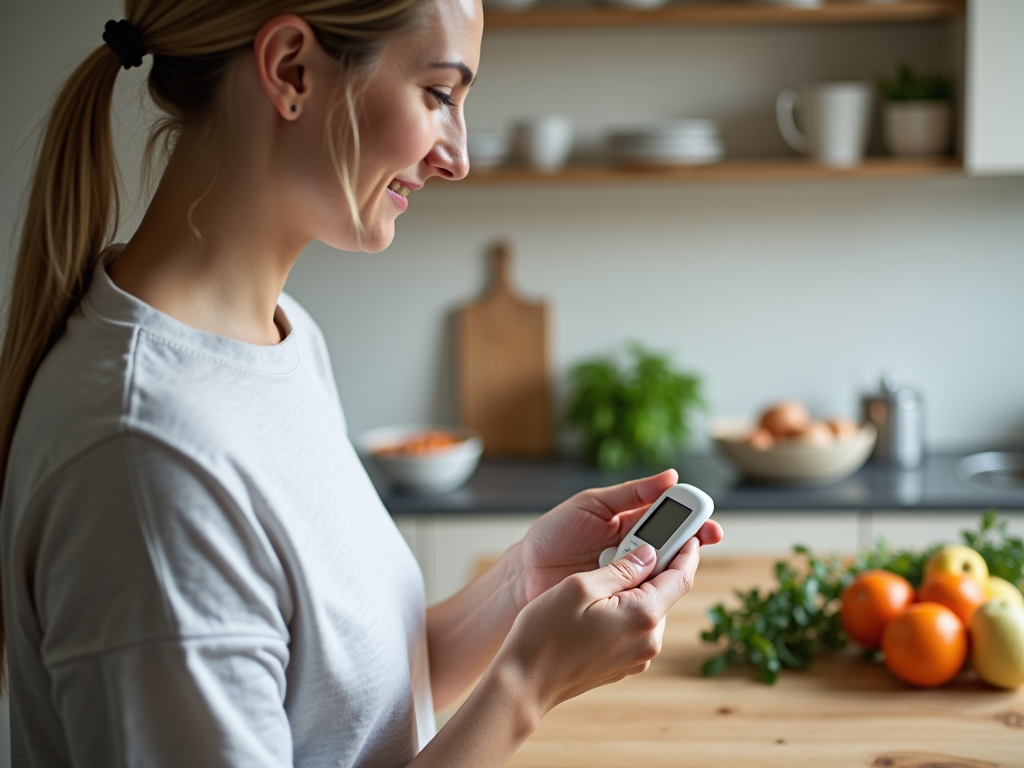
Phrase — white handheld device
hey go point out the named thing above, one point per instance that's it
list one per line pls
(668, 523)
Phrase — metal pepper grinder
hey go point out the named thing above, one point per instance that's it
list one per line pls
(898, 414)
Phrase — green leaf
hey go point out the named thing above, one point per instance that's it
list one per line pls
(908, 85)
(634, 414)
(714, 666)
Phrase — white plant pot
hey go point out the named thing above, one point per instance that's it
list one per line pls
(918, 128)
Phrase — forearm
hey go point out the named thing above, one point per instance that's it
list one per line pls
(489, 727)
(465, 631)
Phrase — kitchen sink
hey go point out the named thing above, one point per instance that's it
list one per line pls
(993, 470)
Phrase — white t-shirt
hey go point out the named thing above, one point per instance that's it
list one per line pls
(196, 569)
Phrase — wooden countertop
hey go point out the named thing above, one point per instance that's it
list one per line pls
(844, 711)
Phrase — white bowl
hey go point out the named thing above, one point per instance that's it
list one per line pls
(793, 463)
(436, 472)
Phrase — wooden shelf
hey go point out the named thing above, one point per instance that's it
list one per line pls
(782, 169)
(728, 14)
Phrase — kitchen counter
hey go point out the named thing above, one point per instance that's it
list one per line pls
(843, 711)
(536, 486)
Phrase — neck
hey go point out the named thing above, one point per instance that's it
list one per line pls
(213, 250)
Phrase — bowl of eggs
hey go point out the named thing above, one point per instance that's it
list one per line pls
(423, 458)
(788, 446)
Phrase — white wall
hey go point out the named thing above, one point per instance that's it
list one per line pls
(805, 290)
(769, 289)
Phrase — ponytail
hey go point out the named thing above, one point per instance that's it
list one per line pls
(72, 213)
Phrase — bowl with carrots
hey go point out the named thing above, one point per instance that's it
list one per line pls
(423, 458)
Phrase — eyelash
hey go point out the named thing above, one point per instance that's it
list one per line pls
(442, 97)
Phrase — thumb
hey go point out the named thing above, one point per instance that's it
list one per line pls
(627, 572)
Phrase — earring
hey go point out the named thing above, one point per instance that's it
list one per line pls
(293, 108)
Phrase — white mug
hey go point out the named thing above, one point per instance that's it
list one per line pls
(835, 118)
(544, 143)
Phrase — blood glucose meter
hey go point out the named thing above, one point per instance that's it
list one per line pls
(668, 523)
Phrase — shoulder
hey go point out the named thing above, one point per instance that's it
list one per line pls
(134, 541)
(76, 399)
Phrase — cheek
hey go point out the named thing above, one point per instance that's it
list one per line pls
(402, 138)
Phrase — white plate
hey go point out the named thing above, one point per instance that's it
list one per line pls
(686, 153)
(694, 145)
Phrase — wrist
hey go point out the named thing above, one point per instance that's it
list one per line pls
(509, 684)
(513, 561)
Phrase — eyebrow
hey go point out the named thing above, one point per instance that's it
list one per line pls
(467, 73)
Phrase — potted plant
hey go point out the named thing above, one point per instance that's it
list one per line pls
(917, 114)
(634, 414)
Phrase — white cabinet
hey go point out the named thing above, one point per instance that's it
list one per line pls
(761, 533)
(917, 530)
(449, 548)
(994, 115)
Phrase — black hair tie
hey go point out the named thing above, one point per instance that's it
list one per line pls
(126, 41)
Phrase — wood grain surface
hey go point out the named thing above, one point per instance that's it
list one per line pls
(844, 711)
(504, 387)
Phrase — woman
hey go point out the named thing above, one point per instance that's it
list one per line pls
(196, 570)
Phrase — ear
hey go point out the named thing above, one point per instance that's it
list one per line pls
(283, 50)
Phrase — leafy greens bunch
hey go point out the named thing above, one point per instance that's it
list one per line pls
(908, 85)
(790, 625)
(638, 414)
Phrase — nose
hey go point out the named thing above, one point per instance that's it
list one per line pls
(449, 158)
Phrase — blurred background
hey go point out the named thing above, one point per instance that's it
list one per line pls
(765, 287)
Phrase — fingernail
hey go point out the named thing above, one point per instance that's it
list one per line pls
(643, 555)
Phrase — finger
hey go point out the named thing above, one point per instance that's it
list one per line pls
(613, 499)
(630, 518)
(710, 533)
(622, 574)
(675, 581)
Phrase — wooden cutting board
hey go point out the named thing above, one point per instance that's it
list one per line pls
(504, 387)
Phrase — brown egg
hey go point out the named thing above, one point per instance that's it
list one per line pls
(818, 434)
(786, 418)
(761, 439)
(843, 428)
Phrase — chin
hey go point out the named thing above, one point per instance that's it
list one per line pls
(374, 240)
(377, 240)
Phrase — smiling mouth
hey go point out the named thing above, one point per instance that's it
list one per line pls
(399, 188)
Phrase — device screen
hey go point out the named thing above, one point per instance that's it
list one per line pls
(663, 522)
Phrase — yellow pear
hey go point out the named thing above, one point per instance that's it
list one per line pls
(958, 559)
(996, 587)
(997, 643)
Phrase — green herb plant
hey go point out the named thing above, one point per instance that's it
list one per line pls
(637, 414)
(909, 85)
(799, 619)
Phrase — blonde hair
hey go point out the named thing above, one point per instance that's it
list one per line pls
(74, 202)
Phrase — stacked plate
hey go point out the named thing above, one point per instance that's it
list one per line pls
(674, 142)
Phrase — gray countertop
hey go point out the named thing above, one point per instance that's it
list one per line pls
(536, 486)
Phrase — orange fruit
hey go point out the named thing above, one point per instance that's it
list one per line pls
(926, 645)
(871, 601)
(960, 592)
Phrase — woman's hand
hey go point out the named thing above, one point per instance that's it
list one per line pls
(595, 627)
(570, 537)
